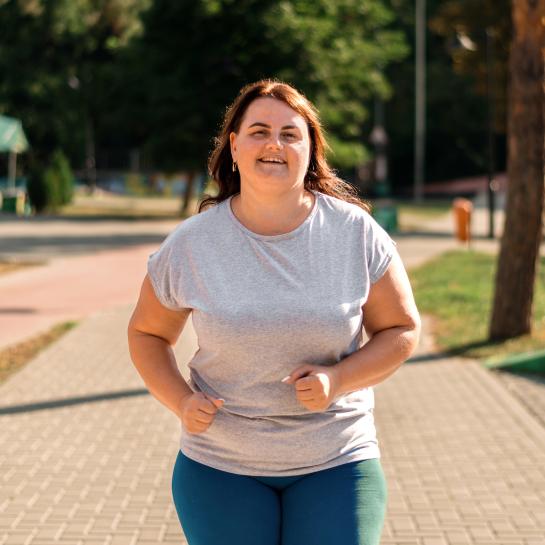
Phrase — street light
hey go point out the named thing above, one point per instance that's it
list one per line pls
(379, 139)
(420, 99)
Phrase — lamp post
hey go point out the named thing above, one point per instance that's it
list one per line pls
(379, 139)
(420, 100)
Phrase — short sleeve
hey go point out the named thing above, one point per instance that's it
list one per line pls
(379, 248)
(164, 273)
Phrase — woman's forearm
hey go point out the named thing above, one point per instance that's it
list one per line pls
(375, 361)
(154, 360)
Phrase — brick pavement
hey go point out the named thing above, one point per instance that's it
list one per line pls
(86, 454)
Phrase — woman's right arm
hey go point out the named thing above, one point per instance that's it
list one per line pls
(152, 332)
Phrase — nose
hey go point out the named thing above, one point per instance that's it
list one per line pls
(274, 141)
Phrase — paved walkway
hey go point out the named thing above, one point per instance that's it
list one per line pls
(90, 266)
(86, 266)
(35, 299)
(86, 453)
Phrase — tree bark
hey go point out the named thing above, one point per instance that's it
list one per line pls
(519, 252)
(188, 193)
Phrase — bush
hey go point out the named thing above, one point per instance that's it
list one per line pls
(65, 177)
(52, 186)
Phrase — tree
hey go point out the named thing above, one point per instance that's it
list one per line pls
(518, 258)
(199, 53)
(463, 24)
(57, 59)
(456, 102)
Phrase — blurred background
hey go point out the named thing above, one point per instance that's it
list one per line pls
(126, 96)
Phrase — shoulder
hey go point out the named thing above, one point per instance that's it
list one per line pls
(345, 211)
(358, 220)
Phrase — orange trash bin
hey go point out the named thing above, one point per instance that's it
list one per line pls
(462, 209)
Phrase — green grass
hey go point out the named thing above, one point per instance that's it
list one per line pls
(457, 290)
(427, 209)
(115, 213)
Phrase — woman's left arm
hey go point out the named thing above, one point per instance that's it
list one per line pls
(392, 323)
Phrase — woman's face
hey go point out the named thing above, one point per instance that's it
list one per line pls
(270, 130)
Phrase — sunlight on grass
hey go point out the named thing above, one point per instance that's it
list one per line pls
(426, 210)
(17, 356)
(457, 289)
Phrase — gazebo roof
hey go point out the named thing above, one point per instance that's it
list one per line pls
(12, 136)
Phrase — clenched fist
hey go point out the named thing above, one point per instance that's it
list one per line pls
(198, 410)
(316, 386)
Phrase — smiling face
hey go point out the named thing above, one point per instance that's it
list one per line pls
(272, 147)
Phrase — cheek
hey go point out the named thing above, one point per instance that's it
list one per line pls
(299, 154)
(251, 151)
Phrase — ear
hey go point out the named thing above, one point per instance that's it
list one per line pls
(232, 141)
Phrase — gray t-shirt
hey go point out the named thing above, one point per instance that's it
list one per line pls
(262, 305)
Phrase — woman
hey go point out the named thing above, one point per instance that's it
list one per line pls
(278, 444)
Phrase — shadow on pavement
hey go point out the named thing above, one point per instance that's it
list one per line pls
(435, 234)
(17, 310)
(10, 218)
(29, 407)
(55, 245)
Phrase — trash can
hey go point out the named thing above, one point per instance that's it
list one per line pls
(462, 209)
(13, 201)
(385, 214)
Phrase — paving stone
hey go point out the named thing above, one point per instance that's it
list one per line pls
(463, 457)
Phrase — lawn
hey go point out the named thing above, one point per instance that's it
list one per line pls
(428, 209)
(457, 290)
(104, 204)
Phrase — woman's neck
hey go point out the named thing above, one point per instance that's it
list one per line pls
(267, 215)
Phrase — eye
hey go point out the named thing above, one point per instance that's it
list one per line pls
(291, 135)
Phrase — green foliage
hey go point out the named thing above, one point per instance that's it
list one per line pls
(37, 189)
(456, 106)
(467, 21)
(157, 75)
(57, 60)
(202, 52)
(51, 186)
(63, 176)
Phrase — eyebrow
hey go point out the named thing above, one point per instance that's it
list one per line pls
(259, 124)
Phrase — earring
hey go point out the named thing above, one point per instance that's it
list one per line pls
(234, 166)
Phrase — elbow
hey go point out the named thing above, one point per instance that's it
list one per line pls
(413, 332)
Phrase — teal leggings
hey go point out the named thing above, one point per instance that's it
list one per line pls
(344, 505)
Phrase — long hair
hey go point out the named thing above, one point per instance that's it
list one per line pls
(320, 176)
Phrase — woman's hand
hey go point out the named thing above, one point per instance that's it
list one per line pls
(316, 386)
(198, 411)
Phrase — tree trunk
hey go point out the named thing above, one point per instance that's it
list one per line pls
(188, 194)
(517, 264)
(90, 160)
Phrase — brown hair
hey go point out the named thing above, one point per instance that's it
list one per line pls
(320, 176)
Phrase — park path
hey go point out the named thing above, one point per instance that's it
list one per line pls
(83, 267)
(86, 454)
(34, 299)
(90, 266)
